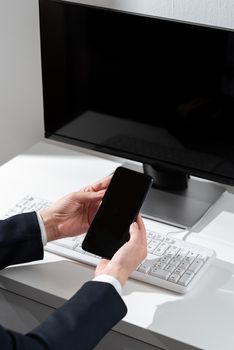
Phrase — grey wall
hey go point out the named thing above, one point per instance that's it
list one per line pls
(21, 114)
(20, 77)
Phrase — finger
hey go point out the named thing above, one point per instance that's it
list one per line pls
(100, 185)
(88, 196)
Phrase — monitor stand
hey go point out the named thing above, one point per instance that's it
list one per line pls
(181, 208)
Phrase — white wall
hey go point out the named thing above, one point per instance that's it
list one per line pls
(21, 113)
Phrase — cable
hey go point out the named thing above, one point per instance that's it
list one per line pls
(185, 231)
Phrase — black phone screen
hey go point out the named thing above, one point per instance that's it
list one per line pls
(121, 203)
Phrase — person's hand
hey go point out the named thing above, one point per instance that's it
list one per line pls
(128, 257)
(72, 214)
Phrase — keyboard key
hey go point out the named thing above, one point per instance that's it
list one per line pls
(151, 246)
(174, 277)
(170, 268)
(186, 278)
(150, 261)
(157, 272)
(160, 250)
(196, 265)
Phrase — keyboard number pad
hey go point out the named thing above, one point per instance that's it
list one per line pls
(171, 259)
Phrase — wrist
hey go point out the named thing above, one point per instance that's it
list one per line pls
(117, 272)
(49, 221)
(109, 279)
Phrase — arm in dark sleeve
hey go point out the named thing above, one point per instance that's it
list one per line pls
(79, 324)
(20, 240)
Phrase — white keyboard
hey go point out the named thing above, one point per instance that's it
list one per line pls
(171, 263)
(25, 205)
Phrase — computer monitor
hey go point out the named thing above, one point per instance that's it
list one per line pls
(153, 90)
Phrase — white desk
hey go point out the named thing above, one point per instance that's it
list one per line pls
(204, 318)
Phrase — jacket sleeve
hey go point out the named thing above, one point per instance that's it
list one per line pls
(20, 240)
(79, 324)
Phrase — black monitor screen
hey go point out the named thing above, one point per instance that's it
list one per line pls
(153, 90)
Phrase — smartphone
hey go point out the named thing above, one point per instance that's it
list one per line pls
(120, 206)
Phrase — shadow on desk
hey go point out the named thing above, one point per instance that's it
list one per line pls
(202, 316)
(207, 309)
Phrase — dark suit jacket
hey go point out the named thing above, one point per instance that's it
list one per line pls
(81, 322)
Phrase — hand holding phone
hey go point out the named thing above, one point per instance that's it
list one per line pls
(120, 205)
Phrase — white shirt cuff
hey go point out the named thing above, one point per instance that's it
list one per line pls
(42, 228)
(109, 279)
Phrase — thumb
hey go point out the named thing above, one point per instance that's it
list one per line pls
(137, 231)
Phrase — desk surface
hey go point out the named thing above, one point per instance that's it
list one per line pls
(204, 318)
